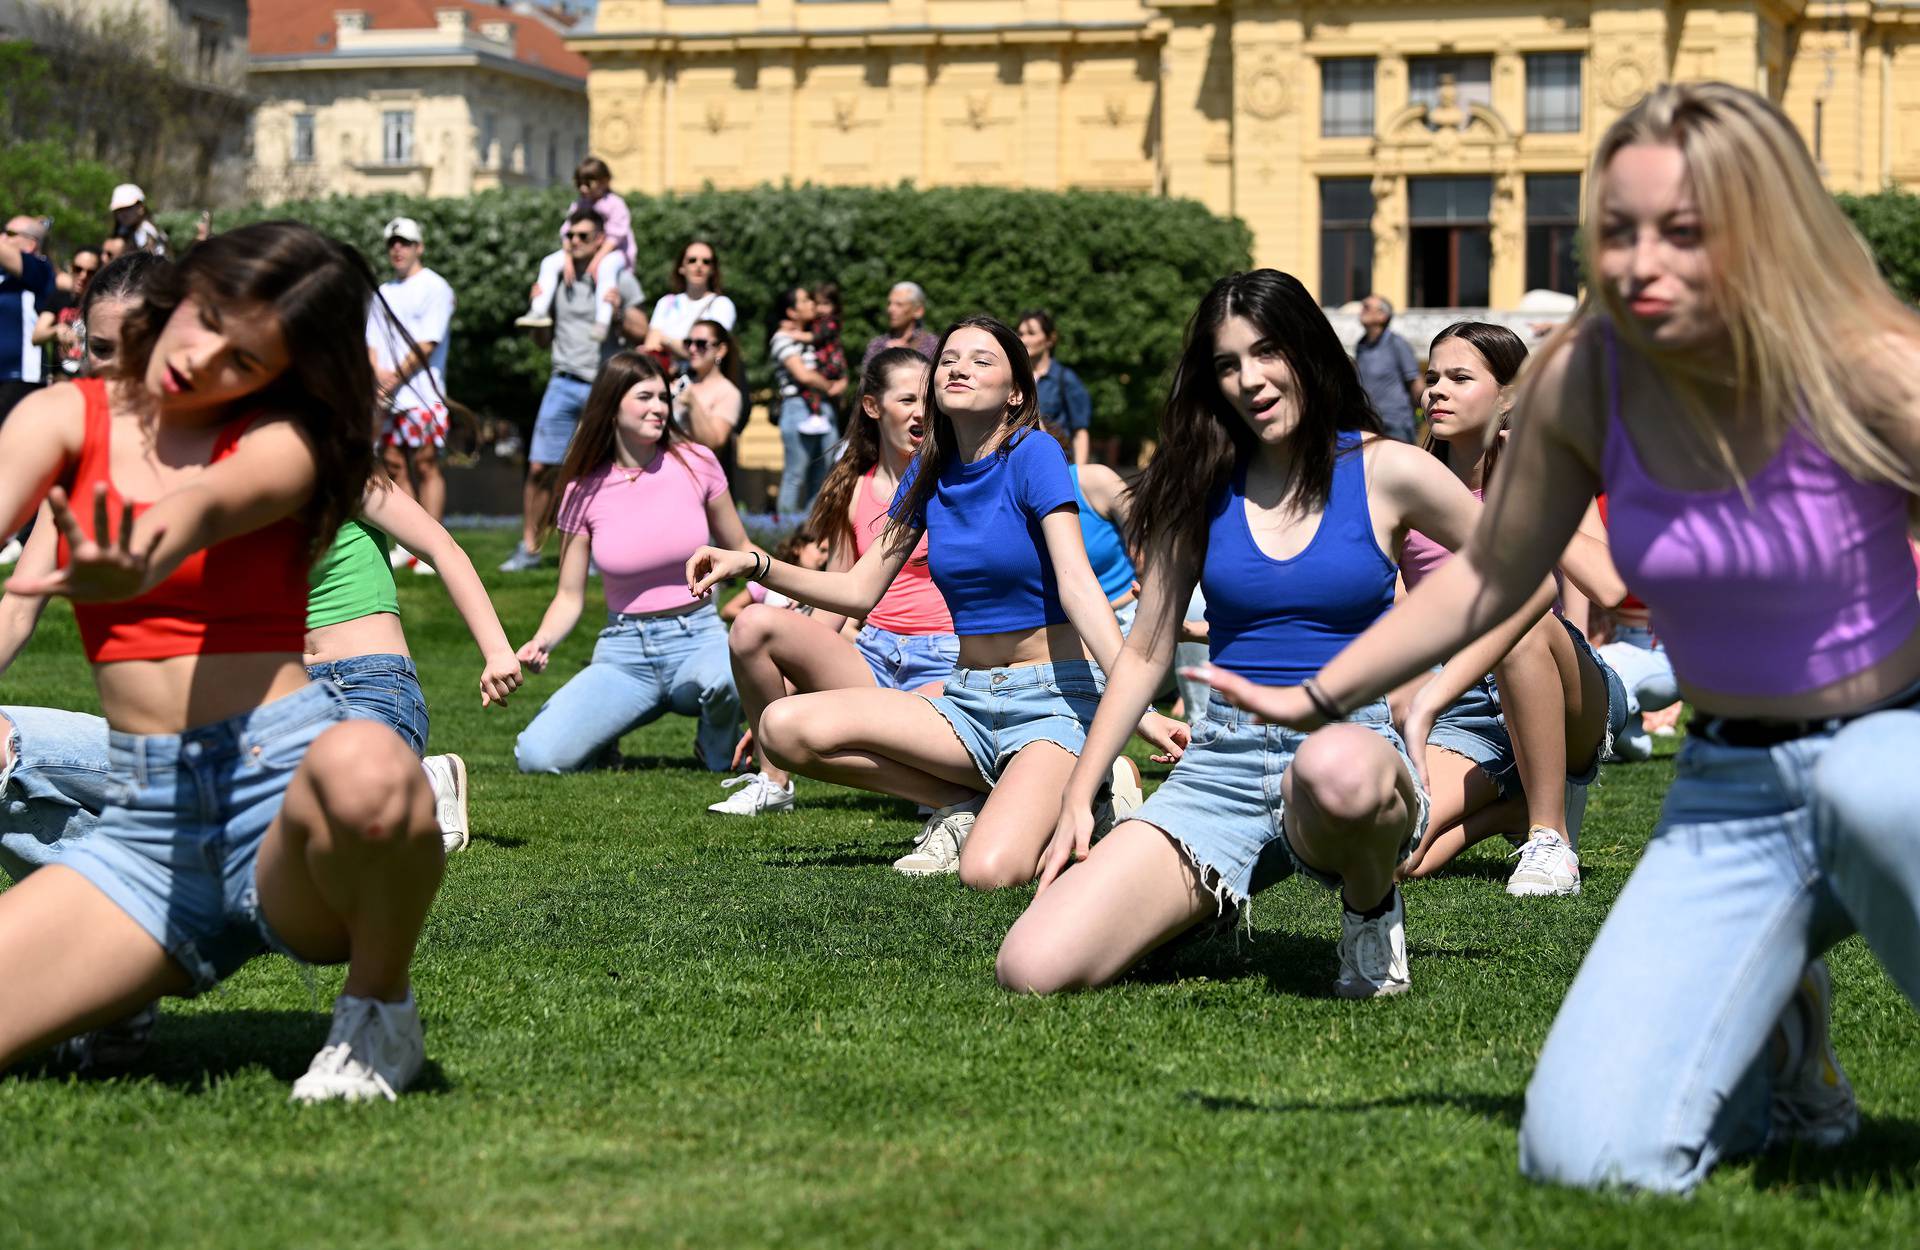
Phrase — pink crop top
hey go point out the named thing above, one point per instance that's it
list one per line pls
(1810, 583)
(645, 524)
(912, 605)
(1420, 555)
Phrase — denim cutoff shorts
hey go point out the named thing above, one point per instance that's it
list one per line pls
(383, 688)
(907, 661)
(996, 712)
(1125, 614)
(176, 845)
(1474, 726)
(1222, 804)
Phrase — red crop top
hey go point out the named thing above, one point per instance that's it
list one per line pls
(247, 594)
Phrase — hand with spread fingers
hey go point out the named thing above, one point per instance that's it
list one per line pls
(101, 568)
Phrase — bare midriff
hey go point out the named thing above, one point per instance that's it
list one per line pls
(1017, 648)
(172, 695)
(377, 633)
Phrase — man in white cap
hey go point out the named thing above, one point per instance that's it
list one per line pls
(131, 222)
(412, 376)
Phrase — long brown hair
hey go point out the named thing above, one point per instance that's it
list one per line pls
(319, 289)
(677, 281)
(941, 445)
(1203, 442)
(595, 440)
(1504, 352)
(833, 506)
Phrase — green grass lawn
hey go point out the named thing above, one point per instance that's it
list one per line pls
(651, 1026)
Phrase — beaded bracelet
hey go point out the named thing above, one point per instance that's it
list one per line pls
(1322, 702)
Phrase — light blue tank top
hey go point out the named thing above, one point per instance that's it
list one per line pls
(1106, 550)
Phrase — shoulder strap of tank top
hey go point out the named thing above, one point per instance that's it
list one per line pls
(1613, 375)
(94, 463)
(230, 434)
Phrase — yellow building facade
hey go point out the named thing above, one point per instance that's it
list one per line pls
(1430, 151)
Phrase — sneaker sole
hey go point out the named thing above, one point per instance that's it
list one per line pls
(1128, 796)
(1356, 990)
(1528, 889)
(458, 767)
(928, 872)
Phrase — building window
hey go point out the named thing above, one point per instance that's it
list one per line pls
(1451, 242)
(208, 36)
(396, 137)
(489, 132)
(1553, 92)
(303, 138)
(1346, 96)
(553, 157)
(1472, 78)
(1346, 239)
(1553, 231)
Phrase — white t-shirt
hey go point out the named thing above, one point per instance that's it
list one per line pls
(424, 306)
(675, 313)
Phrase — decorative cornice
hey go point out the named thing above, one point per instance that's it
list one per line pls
(601, 43)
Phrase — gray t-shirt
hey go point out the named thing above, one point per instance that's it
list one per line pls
(574, 350)
(1385, 367)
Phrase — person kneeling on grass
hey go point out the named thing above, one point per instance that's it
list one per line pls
(991, 493)
(244, 815)
(638, 501)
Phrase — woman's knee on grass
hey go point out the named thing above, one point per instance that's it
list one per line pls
(368, 786)
(996, 863)
(1034, 960)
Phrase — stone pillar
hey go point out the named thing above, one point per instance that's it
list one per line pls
(772, 139)
(905, 144)
(1040, 78)
(1196, 110)
(1390, 236)
(1269, 178)
(625, 123)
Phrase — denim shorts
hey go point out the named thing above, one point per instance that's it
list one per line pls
(1222, 804)
(1125, 614)
(1474, 726)
(996, 712)
(52, 791)
(560, 407)
(382, 688)
(176, 845)
(907, 661)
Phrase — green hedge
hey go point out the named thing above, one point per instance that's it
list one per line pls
(1120, 273)
(1890, 222)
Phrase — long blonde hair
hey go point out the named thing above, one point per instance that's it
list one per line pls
(1804, 305)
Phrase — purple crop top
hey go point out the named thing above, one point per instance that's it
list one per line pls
(1809, 583)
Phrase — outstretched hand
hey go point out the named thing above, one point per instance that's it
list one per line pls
(96, 571)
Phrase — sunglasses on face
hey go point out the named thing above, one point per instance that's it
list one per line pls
(698, 260)
(580, 236)
(85, 271)
(702, 345)
(397, 241)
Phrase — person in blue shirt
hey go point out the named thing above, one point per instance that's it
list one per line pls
(1065, 408)
(1273, 490)
(992, 494)
(27, 287)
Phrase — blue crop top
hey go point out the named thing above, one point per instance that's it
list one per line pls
(1106, 551)
(1278, 622)
(984, 545)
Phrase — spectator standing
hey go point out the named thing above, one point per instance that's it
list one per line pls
(693, 294)
(27, 285)
(132, 223)
(827, 349)
(112, 248)
(580, 346)
(807, 430)
(615, 253)
(1065, 409)
(710, 403)
(1388, 371)
(61, 329)
(410, 370)
(906, 309)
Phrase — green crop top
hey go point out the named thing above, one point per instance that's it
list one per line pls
(353, 578)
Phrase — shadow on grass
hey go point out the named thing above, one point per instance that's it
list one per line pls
(839, 855)
(193, 1053)
(506, 841)
(1291, 963)
(1884, 1157)
(1505, 1108)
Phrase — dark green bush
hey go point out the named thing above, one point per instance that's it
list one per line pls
(1120, 273)
(1890, 222)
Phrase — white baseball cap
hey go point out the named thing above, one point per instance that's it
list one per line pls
(403, 228)
(126, 195)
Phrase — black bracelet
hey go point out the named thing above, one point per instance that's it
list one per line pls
(766, 565)
(1322, 702)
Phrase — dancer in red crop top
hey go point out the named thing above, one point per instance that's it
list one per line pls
(907, 641)
(1740, 382)
(205, 475)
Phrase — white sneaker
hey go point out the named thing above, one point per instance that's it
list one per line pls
(754, 794)
(11, 551)
(937, 849)
(1373, 953)
(1633, 746)
(398, 557)
(521, 560)
(1813, 1100)
(374, 1050)
(448, 776)
(1547, 867)
(422, 569)
(533, 321)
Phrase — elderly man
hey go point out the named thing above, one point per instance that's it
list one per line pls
(1388, 371)
(27, 286)
(906, 308)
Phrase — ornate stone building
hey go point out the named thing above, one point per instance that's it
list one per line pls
(1431, 151)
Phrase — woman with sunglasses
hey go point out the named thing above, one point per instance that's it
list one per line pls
(693, 294)
(60, 322)
(710, 402)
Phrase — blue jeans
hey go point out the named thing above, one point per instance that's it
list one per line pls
(643, 667)
(907, 661)
(560, 408)
(804, 458)
(176, 844)
(1644, 667)
(1656, 1067)
(382, 688)
(52, 793)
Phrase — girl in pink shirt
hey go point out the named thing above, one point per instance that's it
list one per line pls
(907, 641)
(637, 501)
